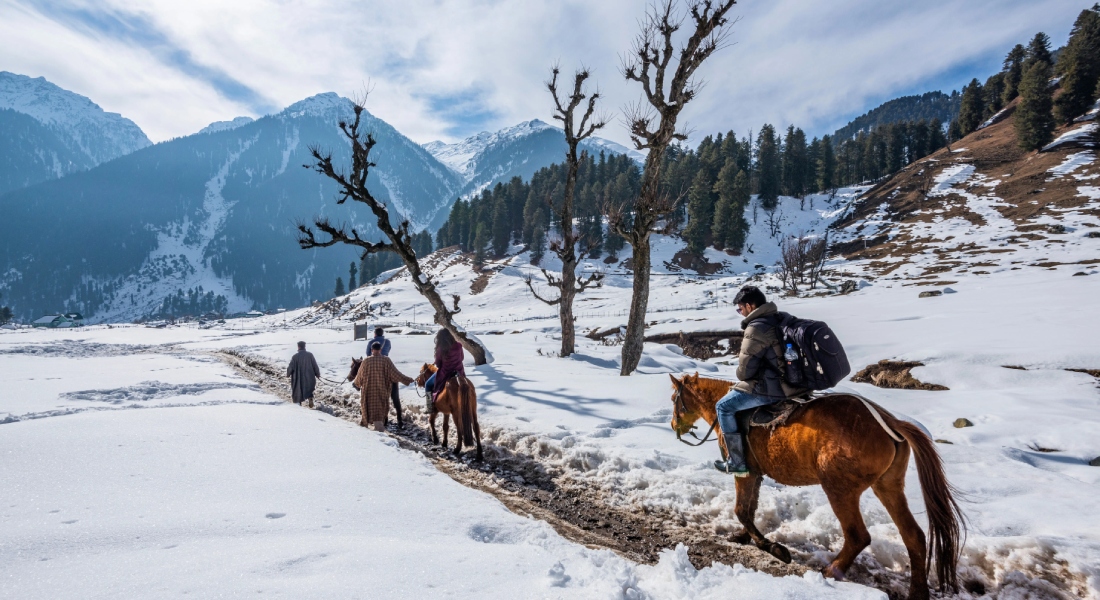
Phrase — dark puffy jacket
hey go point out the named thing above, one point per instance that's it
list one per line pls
(760, 360)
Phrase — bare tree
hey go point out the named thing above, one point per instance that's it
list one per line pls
(353, 186)
(802, 260)
(652, 126)
(567, 283)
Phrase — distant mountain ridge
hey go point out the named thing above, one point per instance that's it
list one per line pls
(927, 106)
(485, 159)
(47, 132)
(216, 210)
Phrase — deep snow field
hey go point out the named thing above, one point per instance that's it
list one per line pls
(220, 489)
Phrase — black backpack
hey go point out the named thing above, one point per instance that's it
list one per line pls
(821, 356)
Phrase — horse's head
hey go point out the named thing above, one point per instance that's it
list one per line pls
(426, 371)
(355, 362)
(685, 403)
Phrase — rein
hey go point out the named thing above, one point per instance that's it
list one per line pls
(679, 400)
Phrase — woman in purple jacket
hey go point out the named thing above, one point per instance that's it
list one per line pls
(448, 361)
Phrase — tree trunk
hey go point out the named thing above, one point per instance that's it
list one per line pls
(565, 309)
(443, 316)
(639, 302)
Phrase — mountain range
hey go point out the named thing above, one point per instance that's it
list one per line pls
(111, 226)
(50, 132)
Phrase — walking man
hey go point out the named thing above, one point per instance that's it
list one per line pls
(759, 368)
(376, 377)
(303, 373)
(395, 397)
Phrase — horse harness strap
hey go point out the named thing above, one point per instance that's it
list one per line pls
(878, 417)
(679, 398)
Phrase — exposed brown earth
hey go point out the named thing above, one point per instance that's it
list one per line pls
(1021, 179)
(894, 374)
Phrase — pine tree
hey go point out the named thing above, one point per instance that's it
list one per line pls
(352, 270)
(994, 90)
(1038, 50)
(339, 291)
(972, 108)
(826, 165)
(724, 208)
(737, 225)
(954, 131)
(1034, 120)
(1014, 71)
(538, 244)
(1079, 66)
(481, 239)
(700, 213)
(767, 167)
(501, 227)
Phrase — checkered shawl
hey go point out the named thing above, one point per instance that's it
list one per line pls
(375, 378)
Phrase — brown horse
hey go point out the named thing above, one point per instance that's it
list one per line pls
(459, 400)
(355, 362)
(835, 442)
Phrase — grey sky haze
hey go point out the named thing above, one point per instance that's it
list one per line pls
(446, 69)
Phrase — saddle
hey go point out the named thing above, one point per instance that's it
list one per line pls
(773, 415)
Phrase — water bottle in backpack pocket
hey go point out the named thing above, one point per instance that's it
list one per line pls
(792, 366)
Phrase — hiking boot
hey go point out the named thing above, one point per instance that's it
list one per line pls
(735, 463)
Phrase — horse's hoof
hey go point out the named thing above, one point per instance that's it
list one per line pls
(780, 552)
(835, 573)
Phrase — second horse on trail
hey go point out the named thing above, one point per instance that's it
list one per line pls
(457, 399)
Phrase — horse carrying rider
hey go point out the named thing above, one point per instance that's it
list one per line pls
(759, 370)
(448, 363)
(377, 374)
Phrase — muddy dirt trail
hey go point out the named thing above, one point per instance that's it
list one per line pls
(526, 486)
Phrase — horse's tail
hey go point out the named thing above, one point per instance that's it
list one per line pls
(468, 407)
(946, 525)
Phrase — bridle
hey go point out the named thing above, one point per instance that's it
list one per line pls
(681, 407)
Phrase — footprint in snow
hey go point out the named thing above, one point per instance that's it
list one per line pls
(275, 515)
(69, 522)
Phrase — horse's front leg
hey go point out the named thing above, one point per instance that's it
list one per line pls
(446, 428)
(748, 495)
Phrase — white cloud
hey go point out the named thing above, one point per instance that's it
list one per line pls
(815, 64)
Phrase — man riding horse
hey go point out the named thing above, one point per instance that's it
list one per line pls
(759, 369)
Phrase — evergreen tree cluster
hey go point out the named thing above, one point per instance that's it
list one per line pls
(373, 265)
(884, 150)
(519, 212)
(5, 314)
(192, 303)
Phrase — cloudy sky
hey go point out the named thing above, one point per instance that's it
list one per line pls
(442, 69)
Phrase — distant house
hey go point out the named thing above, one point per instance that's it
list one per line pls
(76, 318)
(253, 313)
(53, 322)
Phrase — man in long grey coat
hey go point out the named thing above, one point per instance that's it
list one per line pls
(303, 373)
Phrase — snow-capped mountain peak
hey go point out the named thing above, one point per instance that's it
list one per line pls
(100, 135)
(217, 126)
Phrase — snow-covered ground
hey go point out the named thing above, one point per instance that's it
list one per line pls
(1022, 469)
(138, 465)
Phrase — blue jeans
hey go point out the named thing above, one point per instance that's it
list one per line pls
(429, 385)
(733, 402)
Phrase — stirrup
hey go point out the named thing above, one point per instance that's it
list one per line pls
(725, 467)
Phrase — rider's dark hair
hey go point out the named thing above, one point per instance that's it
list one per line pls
(750, 294)
(378, 332)
(301, 345)
(444, 340)
(376, 346)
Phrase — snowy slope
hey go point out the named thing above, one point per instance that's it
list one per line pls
(99, 135)
(190, 481)
(1022, 469)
